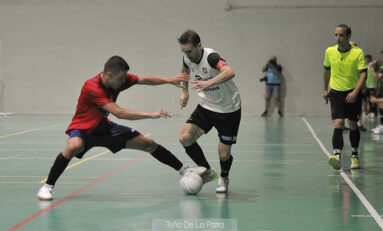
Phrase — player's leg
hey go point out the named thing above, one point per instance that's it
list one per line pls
(225, 160)
(372, 109)
(156, 150)
(74, 146)
(227, 125)
(197, 124)
(194, 128)
(160, 153)
(188, 139)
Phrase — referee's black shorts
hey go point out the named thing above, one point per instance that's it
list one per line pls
(340, 109)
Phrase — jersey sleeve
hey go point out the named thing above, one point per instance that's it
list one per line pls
(326, 62)
(215, 61)
(131, 80)
(96, 95)
(362, 65)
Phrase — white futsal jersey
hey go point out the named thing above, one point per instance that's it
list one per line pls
(223, 97)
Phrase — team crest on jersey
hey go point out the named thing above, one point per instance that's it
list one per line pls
(204, 69)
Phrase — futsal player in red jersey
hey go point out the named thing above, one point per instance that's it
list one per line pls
(90, 126)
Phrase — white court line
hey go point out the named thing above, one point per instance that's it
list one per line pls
(361, 197)
(28, 131)
(363, 216)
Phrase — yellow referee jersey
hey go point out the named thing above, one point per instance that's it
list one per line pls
(345, 67)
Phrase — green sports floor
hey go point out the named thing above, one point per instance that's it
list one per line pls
(280, 180)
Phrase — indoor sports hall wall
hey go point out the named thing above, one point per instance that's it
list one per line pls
(50, 47)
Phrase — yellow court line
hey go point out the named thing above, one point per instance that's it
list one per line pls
(82, 161)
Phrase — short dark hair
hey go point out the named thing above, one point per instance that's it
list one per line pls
(348, 29)
(368, 56)
(116, 64)
(189, 36)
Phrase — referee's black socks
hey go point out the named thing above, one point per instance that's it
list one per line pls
(57, 169)
(337, 139)
(196, 154)
(354, 138)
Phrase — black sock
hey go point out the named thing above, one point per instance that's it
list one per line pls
(57, 169)
(354, 138)
(225, 166)
(166, 157)
(337, 139)
(381, 116)
(196, 154)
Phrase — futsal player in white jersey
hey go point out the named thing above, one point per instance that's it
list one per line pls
(220, 106)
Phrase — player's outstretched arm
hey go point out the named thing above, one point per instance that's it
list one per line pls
(157, 80)
(123, 113)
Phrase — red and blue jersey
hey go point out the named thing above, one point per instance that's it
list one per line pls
(89, 114)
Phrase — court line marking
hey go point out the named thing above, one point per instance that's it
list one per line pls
(21, 182)
(34, 216)
(77, 177)
(358, 193)
(84, 160)
(363, 216)
(28, 131)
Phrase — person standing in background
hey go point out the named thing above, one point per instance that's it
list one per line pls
(273, 84)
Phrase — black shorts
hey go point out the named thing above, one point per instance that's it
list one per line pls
(114, 138)
(227, 124)
(340, 109)
(370, 92)
(379, 89)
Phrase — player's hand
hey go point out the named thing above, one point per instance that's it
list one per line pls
(178, 79)
(351, 97)
(373, 99)
(159, 114)
(200, 85)
(184, 99)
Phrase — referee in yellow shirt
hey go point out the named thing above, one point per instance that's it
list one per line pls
(345, 69)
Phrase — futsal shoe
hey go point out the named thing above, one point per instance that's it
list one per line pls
(209, 175)
(334, 161)
(355, 162)
(45, 192)
(223, 185)
(192, 168)
(378, 129)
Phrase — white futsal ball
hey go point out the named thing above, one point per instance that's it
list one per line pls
(191, 183)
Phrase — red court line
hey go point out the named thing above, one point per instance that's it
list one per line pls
(34, 216)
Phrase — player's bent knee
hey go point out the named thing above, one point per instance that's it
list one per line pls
(186, 140)
(224, 156)
(150, 146)
(72, 149)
